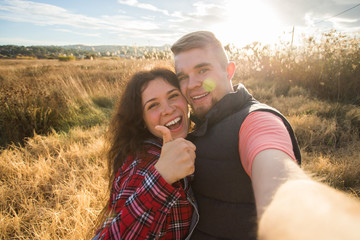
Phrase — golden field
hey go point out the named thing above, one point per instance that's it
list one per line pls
(53, 116)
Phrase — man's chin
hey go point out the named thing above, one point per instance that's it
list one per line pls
(200, 112)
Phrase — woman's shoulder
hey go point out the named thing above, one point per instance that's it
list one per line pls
(146, 157)
(139, 164)
(151, 149)
(153, 143)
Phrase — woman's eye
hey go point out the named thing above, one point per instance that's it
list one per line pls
(151, 106)
(174, 95)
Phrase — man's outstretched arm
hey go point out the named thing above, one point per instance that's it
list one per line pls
(291, 205)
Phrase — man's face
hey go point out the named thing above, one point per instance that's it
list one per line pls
(203, 81)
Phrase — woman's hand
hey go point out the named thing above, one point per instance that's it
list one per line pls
(177, 158)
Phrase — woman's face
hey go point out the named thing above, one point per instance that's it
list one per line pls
(163, 104)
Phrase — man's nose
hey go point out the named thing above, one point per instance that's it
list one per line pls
(194, 82)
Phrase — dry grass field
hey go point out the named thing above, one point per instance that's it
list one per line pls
(53, 116)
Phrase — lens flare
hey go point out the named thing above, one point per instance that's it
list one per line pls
(209, 85)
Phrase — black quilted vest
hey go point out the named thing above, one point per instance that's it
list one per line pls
(222, 188)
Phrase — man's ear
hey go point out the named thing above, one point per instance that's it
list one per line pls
(230, 69)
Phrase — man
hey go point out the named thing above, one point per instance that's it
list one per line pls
(243, 148)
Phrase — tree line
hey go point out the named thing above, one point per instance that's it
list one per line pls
(82, 51)
(41, 52)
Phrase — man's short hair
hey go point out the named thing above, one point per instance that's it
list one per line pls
(201, 39)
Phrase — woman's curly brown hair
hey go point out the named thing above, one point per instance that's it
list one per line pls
(127, 132)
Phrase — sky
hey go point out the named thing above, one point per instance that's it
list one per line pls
(160, 22)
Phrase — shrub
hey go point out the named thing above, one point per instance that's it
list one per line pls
(66, 58)
(328, 67)
(39, 95)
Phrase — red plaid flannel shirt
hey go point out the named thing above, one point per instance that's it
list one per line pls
(143, 205)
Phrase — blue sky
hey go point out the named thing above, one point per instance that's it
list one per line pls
(159, 22)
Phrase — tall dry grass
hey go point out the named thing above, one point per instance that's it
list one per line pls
(53, 185)
(327, 66)
(38, 95)
(316, 85)
(328, 134)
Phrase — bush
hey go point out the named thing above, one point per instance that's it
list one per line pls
(66, 58)
(37, 96)
(328, 67)
(26, 110)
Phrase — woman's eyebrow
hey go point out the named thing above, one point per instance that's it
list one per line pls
(153, 99)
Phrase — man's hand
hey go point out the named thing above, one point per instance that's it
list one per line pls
(177, 157)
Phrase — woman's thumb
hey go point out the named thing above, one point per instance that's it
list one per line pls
(165, 132)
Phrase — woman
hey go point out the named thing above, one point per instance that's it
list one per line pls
(150, 196)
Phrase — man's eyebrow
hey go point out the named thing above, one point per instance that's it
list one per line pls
(180, 74)
(200, 65)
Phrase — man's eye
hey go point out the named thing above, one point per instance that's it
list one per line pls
(203, 70)
(182, 78)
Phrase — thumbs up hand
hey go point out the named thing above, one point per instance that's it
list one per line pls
(177, 157)
(165, 132)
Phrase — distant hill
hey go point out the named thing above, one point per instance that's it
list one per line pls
(112, 48)
(80, 51)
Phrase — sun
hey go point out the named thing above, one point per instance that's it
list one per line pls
(248, 21)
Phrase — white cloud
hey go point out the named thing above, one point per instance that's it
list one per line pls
(345, 23)
(344, 20)
(203, 16)
(354, 2)
(28, 42)
(120, 23)
(135, 3)
(105, 28)
(296, 12)
(46, 15)
(77, 33)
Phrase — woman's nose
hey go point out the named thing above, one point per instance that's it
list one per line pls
(168, 108)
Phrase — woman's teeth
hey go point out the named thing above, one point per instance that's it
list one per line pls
(173, 122)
